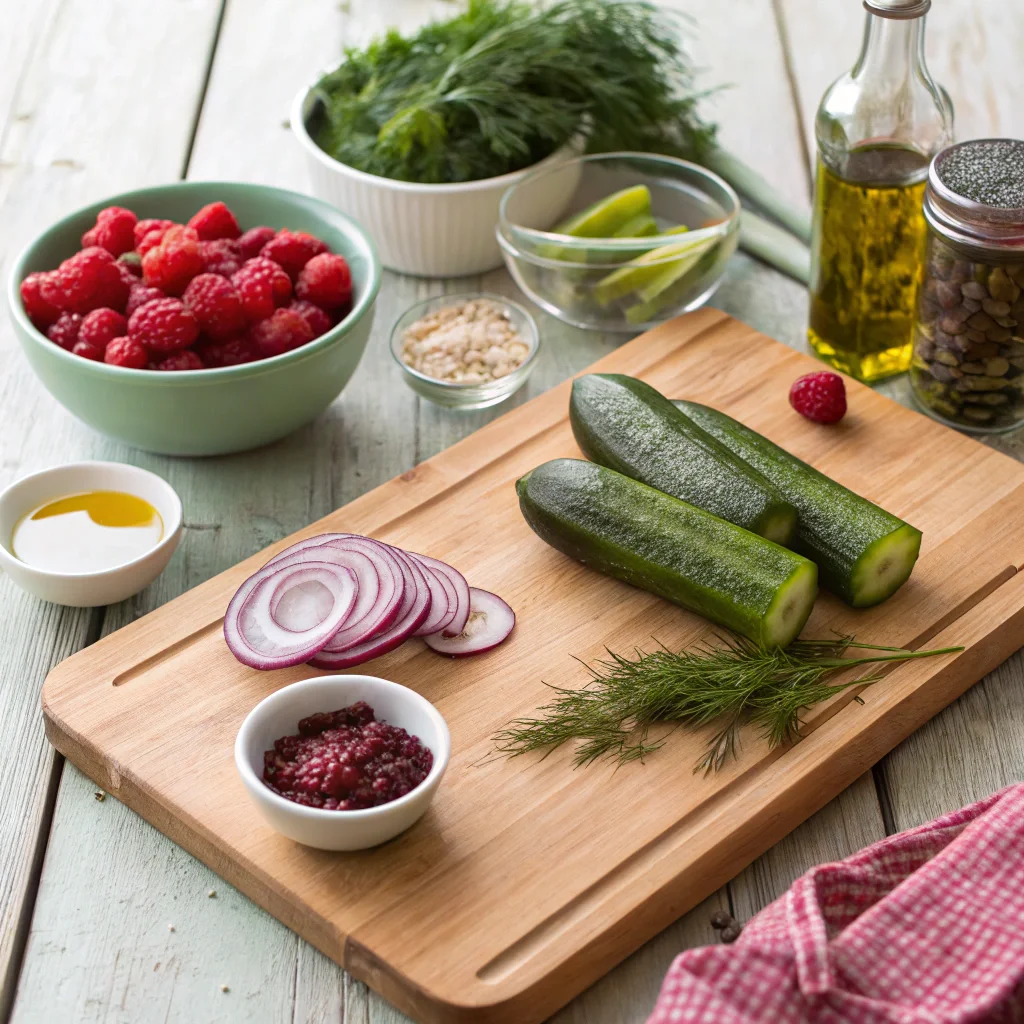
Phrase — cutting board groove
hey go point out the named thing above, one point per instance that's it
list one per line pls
(527, 880)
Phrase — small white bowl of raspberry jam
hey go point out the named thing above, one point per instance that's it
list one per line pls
(342, 762)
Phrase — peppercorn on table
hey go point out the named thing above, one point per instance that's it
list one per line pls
(101, 917)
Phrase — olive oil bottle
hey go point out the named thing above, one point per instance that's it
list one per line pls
(877, 129)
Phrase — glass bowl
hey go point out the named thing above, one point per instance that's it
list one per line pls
(621, 284)
(467, 396)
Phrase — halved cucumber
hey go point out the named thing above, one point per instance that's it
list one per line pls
(642, 536)
(624, 424)
(864, 554)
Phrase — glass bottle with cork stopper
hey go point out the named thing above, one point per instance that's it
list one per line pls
(877, 128)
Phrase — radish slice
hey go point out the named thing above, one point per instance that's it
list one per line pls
(490, 622)
(415, 608)
(283, 614)
(458, 621)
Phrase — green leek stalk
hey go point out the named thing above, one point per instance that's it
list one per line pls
(769, 242)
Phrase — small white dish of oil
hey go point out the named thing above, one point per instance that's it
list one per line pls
(89, 533)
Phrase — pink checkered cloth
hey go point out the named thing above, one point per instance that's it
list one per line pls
(925, 927)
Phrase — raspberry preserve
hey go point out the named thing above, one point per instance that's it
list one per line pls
(346, 760)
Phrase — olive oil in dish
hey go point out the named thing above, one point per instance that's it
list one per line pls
(84, 533)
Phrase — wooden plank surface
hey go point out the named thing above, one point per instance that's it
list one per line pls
(73, 130)
(92, 919)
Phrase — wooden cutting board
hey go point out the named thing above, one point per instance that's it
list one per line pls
(527, 880)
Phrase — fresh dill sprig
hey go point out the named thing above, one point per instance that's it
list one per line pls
(508, 82)
(733, 683)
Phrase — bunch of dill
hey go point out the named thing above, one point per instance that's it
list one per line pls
(506, 83)
(727, 685)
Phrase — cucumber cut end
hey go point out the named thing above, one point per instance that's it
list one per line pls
(884, 567)
(779, 525)
(791, 607)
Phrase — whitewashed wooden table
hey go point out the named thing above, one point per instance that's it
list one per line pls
(101, 917)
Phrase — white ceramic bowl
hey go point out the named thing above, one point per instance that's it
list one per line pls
(278, 715)
(427, 230)
(89, 589)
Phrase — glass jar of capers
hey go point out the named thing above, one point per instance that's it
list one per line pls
(968, 362)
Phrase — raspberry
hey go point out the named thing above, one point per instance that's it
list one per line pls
(102, 326)
(140, 295)
(128, 279)
(87, 350)
(292, 250)
(253, 240)
(228, 353)
(114, 231)
(215, 304)
(185, 360)
(279, 333)
(164, 325)
(65, 331)
(262, 285)
(39, 309)
(126, 352)
(174, 262)
(326, 281)
(144, 228)
(319, 321)
(87, 280)
(214, 220)
(220, 257)
(819, 396)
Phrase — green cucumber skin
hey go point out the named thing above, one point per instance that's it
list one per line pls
(835, 527)
(638, 534)
(624, 424)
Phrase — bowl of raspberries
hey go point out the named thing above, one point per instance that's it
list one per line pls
(198, 318)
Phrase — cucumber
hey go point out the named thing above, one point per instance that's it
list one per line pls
(624, 424)
(864, 554)
(638, 534)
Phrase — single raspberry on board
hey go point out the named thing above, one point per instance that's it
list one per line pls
(85, 281)
(819, 396)
(215, 304)
(279, 333)
(127, 352)
(320, 322)
(233, 352)
(326, 281)
(262, 286)
(145, 228)
(184, 360)
(292, 250)
(65, 331)
(220, 257)
(174, 262)
(114, 231)
(40, 310)
(87, 350)
(139, 295)
(164, 325)
(253, 240)
(214, 220)
(102, 326)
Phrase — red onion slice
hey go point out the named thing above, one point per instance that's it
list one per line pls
(415, 608)
(393, 582)
(457, 623)
(283, 614)
(490, 622)
(444, 603)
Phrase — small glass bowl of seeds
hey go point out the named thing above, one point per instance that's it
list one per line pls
(465, 351)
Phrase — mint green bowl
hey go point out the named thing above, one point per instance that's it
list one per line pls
(215, 411)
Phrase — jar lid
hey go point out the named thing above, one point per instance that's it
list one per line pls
(898, 8)
(975, 193)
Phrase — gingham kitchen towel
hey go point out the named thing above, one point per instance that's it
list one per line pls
(925, 927)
